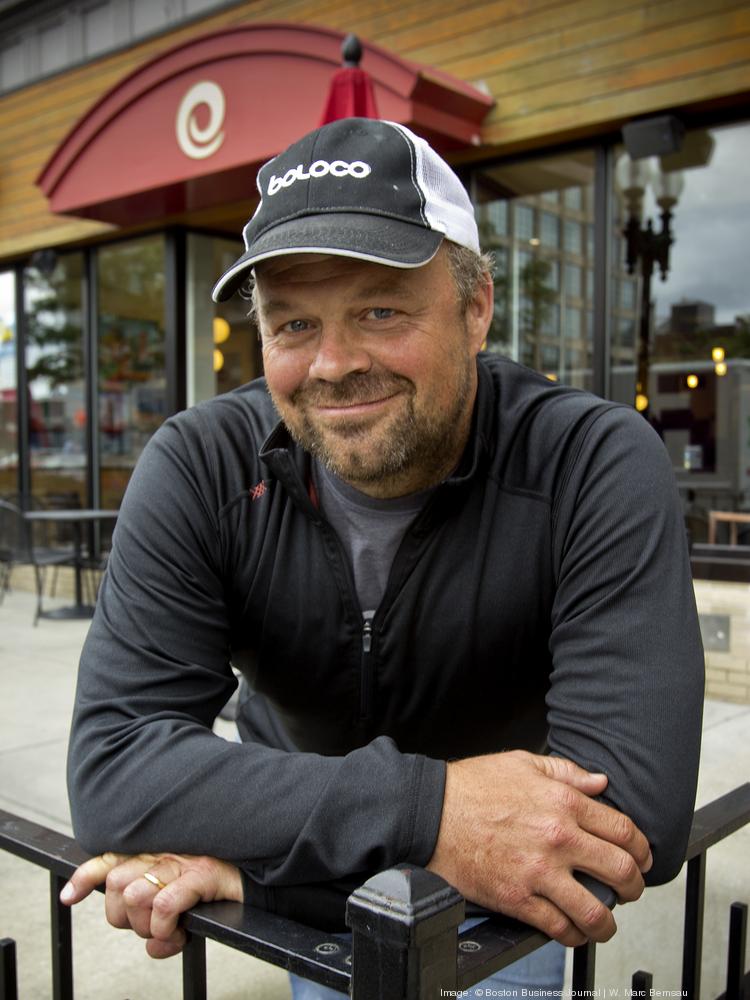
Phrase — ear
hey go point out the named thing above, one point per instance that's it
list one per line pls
(479, 314)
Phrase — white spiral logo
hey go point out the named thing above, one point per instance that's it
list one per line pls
(194, 141)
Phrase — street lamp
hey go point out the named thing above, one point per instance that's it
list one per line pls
(645, 246)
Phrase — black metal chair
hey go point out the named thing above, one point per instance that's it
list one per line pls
(92, 565)
(26, 543)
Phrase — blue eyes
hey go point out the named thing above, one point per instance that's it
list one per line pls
(376, 313)
(297, 326)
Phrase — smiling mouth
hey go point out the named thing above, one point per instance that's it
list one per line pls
(354, 408)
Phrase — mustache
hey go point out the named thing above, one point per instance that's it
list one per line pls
(353, 389)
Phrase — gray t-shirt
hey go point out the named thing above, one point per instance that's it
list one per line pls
(369, 528)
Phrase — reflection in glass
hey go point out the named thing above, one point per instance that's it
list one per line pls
(700, 408)
(222, 346)
(131, 362)
(55, 377)
(8, 407)
(539, 286)
(573, 280)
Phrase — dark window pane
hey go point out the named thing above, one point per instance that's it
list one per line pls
(524, 221)
(132, 376)
(530, 286)
(54, 370)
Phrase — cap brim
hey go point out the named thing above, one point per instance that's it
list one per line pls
(376, 238)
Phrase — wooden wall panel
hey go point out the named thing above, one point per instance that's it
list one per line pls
(558, 69)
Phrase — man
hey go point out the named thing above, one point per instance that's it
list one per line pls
(431, 557)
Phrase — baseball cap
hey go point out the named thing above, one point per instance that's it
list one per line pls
(357, 187)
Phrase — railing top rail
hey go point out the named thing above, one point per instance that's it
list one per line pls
(316, 954)
(274, 939)
(719, 819)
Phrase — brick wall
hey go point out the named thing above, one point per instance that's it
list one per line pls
(727, 670)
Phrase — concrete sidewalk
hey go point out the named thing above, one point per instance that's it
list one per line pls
(37, 682)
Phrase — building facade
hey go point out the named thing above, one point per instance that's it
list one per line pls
(133, 132)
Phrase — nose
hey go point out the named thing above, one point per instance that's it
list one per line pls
(339, 353)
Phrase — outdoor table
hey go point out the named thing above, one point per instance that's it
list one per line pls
(732, 517)
(75, 516)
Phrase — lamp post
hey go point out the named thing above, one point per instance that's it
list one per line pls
(645, 246)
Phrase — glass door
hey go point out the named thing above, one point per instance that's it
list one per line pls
(222, 344)
(132, 383)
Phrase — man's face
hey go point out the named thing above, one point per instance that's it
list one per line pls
(372, 368)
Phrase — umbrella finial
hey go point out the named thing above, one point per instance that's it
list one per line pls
(351, 51)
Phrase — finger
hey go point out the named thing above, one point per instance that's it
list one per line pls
(609, 864)
(179, 895)
(119, 879)
(615, 827)
(166, 949)
(88, 876)
(141, 886)
(189, 881)
(138, 899)
(562, 769)
(589, 915)
(542, 913)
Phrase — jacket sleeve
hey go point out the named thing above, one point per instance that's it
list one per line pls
(145, 771)
(626, 690)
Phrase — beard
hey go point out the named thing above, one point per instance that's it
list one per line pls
(411, 447)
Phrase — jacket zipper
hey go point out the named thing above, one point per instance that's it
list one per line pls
(366, 678)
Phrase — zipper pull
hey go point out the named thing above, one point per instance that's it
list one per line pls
(367, 636)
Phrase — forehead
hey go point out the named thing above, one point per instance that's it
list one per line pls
(310, 270)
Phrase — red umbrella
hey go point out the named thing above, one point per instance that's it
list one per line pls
(351, 93)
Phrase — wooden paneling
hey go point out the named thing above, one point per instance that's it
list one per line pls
(558, 69)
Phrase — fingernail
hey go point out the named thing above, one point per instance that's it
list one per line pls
(67, 892)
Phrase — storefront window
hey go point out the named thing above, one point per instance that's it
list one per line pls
(539, 286)
(222, 346)
(55, 378)
(131, 358)
(681, 352)
(8, 408)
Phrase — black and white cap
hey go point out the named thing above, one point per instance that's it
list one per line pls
(357, 187)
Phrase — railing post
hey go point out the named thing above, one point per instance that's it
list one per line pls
(62, 942)
(8, 977)
(736, 953)
(692, 947)
(642, 983)
(404, 926)
(584, 968)
(194, 968)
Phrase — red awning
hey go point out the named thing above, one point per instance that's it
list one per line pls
(190, 129)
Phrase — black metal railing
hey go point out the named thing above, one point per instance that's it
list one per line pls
(405, 943)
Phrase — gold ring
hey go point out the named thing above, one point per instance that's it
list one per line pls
(154, 880)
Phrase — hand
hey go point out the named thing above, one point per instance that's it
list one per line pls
(514, 828)
(132, 901)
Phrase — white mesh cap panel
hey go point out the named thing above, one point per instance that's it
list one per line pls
(447, 206)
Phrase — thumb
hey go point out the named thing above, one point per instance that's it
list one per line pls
(88, 876)
(569, 773)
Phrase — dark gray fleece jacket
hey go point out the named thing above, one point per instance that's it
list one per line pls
(541, 598)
